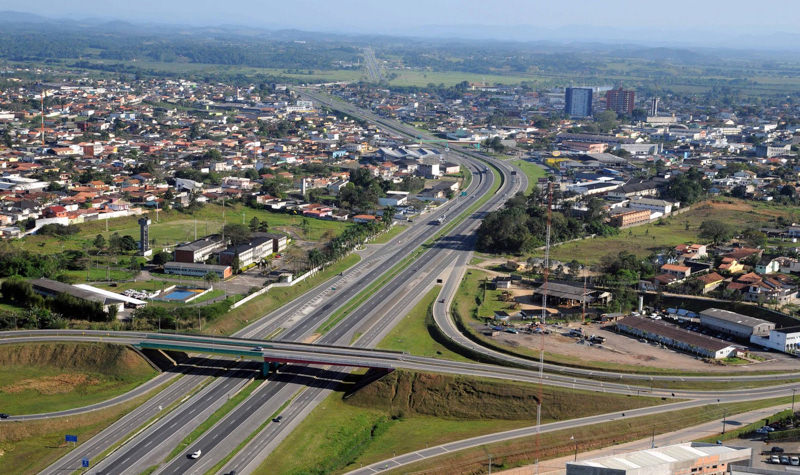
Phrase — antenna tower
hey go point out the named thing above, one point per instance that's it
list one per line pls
(42, 97)
(545, 276)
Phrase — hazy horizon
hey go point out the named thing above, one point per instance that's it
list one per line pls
(681, 22)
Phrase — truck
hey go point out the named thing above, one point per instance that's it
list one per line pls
(441, 219)
(597, 339)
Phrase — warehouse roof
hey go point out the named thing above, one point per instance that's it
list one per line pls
(674, 333)
(732, 317)
(656, 457)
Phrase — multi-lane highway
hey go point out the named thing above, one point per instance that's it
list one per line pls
(301, 319)
(305, 315)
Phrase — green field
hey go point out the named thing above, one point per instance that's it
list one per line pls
(644, 240)
(37, 378)
(532, 171)
(390, 234)
(409, 411)
(172, 227)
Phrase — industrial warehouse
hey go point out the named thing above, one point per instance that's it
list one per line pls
(687, 458)
(676, 337)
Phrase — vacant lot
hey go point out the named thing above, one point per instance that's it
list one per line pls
(37, 378)
(677, 229)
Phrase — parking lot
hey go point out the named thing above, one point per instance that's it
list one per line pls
(628, 350)
(758, 460)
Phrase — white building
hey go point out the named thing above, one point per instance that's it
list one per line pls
(779, 340)
(660, 206)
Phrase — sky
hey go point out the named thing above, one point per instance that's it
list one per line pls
(675, 20)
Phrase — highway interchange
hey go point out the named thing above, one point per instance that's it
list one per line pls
(199, 387)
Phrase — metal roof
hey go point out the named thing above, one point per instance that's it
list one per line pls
(659, 456)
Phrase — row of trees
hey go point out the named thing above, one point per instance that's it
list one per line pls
(352, 236)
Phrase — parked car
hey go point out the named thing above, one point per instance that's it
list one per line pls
(776, 449)
(784, 460)
(774, 459)
(794, 460)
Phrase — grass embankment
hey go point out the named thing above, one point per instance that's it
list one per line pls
(408, 411)
(523, 451)
(227, 407)
(677, 229)
(28, 447)
(238, 318)
(47, 377)
(532, 171)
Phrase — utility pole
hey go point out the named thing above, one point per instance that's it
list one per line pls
(490, 464)
(793, 391)
(724, 416)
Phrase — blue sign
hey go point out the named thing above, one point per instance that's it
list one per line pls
(71, 438)
(84, 462)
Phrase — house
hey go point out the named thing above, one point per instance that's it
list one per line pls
(680, 272)
(710, 281)
(394, 198)
(741, 253)
(767, 265)
(731, 265)
(691, 251)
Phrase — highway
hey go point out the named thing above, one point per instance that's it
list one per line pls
(299, 320)
(307, 310)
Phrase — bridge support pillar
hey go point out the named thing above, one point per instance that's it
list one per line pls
(265, 369)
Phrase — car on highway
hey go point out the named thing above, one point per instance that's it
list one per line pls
(258, 348)
(3, 415)
(196, 454)
(277, 419)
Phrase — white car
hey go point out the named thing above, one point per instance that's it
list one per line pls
(196, 455)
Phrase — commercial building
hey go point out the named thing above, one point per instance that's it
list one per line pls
(197, 269)
(691, 458)
(578, 102)
(779, 340)
(620, 101)
(247, 253)
(279, 241)
(676, 337)
(659, 206)
(51, 288)
(630, 218)
(199, 250)
(735, 324)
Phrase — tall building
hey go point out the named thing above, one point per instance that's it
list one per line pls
(653, 112)
(620, 101)
(578, 102)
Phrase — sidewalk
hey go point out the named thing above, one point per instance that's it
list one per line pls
(559, 466)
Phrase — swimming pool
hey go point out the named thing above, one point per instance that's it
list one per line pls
(179, 295)
(183, 294)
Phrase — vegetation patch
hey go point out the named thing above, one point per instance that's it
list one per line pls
(36, 378)
(409, 411)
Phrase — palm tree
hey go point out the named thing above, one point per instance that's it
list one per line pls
(210, 278)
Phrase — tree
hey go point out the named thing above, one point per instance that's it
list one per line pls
(255, 224)
(237, 233)
(162, 258)
(99, 242)
(210, 278)
(128, 243)
(754, 238)
(715, 231)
